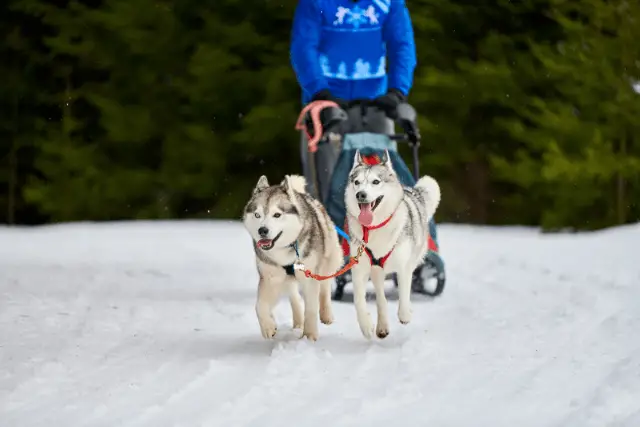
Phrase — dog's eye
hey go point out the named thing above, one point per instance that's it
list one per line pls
(376, 182)
(356, 182)
(257, 215)
(277, 215)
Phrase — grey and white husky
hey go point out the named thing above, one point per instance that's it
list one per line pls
(289, 226)
(391, 220)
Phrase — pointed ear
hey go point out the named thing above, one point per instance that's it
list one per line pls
(261, 185)
(287, 186)
(292, 184)
(386, 161)
(357, 160)
(296, 183)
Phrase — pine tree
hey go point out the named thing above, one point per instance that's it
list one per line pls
(24, 90)
(582, 147)
(166, 100)
(473, 73)
(156, 109)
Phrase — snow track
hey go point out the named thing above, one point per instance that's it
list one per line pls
(152, 324)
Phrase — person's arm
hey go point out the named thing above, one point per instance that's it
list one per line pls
(401, 49)
(303, 52)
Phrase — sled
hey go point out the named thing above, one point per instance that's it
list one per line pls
(330, 145)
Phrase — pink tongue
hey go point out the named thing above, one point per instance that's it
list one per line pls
(366, 216)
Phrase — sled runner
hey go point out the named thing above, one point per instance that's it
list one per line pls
(331, 135)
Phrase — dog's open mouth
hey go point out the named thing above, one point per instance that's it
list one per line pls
(372, 206)
(267, 244)
(366, 211)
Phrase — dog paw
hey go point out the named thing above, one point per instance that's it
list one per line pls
(297, 316)
(268, 329)
(310, 335)
(298, 322)
(326, 317)
(366, 326)
(404, 315)
(382, 330)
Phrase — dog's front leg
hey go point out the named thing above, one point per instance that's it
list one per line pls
(311, 292)
(296, 305)
(268, 293)
(360, 275)
(404, 294)
(377, 277)
(326, 313)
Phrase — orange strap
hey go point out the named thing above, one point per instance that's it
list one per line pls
(352, 261)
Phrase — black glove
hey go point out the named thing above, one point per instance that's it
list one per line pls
(325, 95)
(390, 101)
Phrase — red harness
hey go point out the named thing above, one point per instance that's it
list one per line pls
(365, 237)
(365, 232)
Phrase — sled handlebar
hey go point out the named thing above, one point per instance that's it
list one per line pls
(401, 137)
(404, 114)
(415, 143)
(404, 111)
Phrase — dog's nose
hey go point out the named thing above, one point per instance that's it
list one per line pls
(263, 231)
(361, 196)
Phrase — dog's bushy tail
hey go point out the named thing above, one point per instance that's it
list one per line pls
(431, 189)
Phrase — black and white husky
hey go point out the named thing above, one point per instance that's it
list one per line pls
(288, 226)
(391, 220)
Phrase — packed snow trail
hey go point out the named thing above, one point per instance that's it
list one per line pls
(153, 324)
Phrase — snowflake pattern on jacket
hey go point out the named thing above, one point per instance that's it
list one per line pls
(354, 49)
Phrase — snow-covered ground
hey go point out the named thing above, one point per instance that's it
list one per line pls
(152, 324)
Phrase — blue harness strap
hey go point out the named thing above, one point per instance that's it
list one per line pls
(342, 233)
(289, 268)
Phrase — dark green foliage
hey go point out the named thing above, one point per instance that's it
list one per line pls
(581, 148)
(116, 109)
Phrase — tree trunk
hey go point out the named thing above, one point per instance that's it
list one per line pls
(478, 191)
(13, 163)
(13, 183)
(621, 186)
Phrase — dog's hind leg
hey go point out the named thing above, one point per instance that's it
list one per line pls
(311, 292)
(377, 277)
(404, 294)
(297, 306)
(326, 313)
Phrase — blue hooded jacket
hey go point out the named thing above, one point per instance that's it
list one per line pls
(344, 46)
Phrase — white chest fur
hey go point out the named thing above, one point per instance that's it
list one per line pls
(282, 256)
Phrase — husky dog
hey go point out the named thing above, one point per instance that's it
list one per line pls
(391, 220)
(289, 226)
